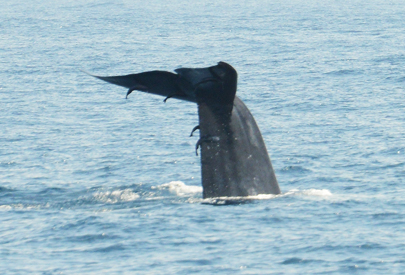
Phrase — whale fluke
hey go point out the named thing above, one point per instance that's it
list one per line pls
(234, 158)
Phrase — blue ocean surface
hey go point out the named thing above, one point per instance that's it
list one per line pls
(92, 183)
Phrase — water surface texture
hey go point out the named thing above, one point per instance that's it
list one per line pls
(91, 183)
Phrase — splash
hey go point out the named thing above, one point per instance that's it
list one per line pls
(116, 196)
(310, 193)
(179, 188)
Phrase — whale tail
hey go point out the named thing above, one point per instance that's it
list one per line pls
(234, 158)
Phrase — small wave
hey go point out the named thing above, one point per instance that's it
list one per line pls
(5, 207)
(385, 215)
(295, 169)
(296, 260)
(4, 189)
(116, 196)
(23, 207)
(179, 188)
(110, 248)
(92, 238)
(197, 262)
(293, 261)
(343, 72)
(309, 192)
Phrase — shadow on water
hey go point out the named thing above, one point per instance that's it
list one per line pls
(227, 201)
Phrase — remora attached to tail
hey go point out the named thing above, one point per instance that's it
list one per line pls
(234, 158)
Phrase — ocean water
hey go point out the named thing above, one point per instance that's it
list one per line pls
(91, 183)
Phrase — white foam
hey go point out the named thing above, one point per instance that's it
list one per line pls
(5, 207)
(309, 192)
(116, 196)
(21, 206)
(179, 188)
(316, 192)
